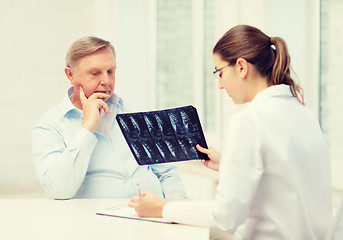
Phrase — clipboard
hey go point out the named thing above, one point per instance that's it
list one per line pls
(124, 211)
(163, 136)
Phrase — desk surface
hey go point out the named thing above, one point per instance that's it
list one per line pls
(75, 219)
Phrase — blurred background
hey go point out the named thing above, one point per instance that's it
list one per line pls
(164, 60)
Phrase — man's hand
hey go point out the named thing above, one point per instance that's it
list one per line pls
(91, 108)
(214, 156)
(148, 205)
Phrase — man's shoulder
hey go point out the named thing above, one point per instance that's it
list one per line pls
(52, 116)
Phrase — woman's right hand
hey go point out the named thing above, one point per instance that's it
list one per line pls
(214, 156)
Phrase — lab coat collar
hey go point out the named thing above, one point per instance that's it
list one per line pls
(280, 91)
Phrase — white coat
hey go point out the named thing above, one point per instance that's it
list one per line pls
(275, 180)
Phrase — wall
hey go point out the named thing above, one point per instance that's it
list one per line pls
(332, 84)
(134, 43)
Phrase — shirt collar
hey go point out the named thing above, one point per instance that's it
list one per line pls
(68, 107)
(280, 90)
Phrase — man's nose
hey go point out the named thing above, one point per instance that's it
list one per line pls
(105, 80)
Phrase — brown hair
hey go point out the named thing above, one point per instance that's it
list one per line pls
(84, 47)
(269, 55)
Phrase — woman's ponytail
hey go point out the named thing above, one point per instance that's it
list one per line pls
(281, 69)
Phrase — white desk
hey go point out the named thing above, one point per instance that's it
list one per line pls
(39, 219)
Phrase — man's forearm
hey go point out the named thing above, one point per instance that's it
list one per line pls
(171, 182)
(65, 174)
(62, 170)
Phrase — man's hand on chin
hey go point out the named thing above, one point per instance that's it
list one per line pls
(92, 107)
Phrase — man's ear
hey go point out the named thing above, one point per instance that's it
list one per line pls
(69, 74)
(243, 67)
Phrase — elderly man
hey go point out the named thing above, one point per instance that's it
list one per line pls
(78, 148)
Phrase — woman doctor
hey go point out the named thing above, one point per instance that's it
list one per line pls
(274, 172)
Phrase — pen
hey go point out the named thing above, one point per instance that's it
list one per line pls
(139, 190)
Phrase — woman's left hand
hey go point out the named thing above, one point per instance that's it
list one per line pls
(148, 204)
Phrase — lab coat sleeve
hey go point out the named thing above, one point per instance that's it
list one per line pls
(61, 168)
(190, 212)
(240, 171)
(170, 180)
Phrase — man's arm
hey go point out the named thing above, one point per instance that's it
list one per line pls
(61, 168)
(170, 180)
(92, 107)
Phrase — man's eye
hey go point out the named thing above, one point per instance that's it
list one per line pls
(220, 74)
(110, 71)
(95, 74)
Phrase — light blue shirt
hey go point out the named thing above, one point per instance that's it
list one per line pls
(72, 162)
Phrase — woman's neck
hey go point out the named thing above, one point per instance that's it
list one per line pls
(257, 84)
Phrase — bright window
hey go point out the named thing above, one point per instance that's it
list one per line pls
(184, 65)
(331, 99)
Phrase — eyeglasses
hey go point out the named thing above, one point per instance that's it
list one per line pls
(218, 72)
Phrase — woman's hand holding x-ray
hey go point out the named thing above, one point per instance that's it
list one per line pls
(214, 156)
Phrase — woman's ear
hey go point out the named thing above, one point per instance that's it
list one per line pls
(243, 67)
(69, 74)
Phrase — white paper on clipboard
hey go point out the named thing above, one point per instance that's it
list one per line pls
(124, 211)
